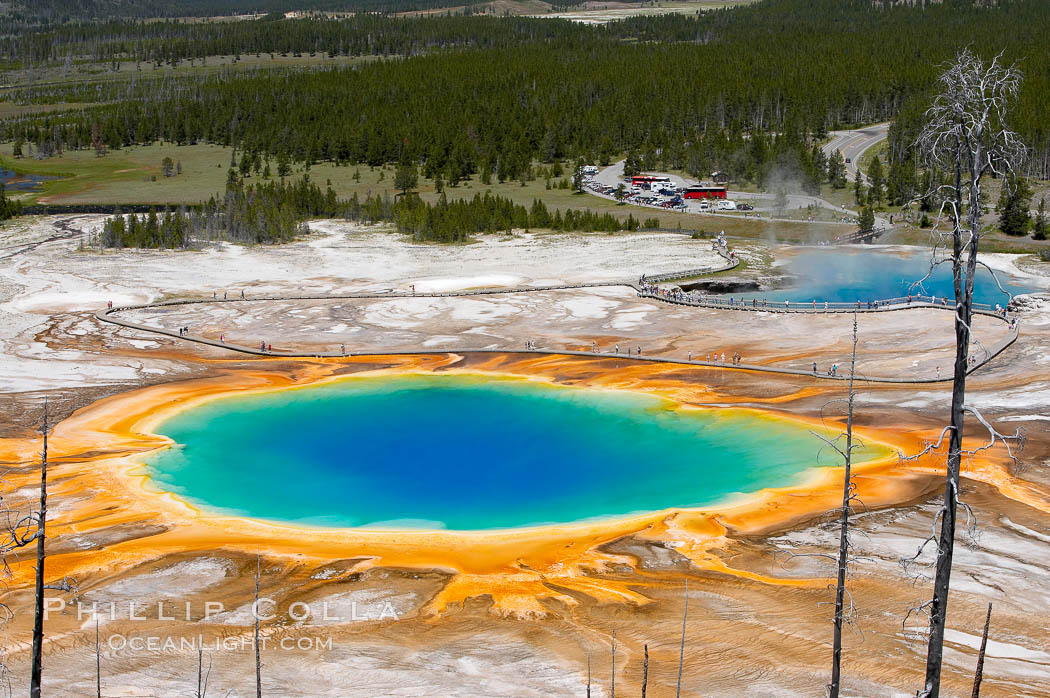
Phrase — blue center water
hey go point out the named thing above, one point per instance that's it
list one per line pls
(846, 276)
(469, 453)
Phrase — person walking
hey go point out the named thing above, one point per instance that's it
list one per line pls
(814, 368)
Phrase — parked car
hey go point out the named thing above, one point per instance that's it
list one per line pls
(744, 207)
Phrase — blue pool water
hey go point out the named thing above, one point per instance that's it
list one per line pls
(14, 182)
(469, 453)
(847, 276)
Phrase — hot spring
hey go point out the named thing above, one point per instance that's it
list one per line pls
(471, 453)
(868, 274)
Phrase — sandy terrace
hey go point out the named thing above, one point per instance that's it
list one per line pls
(572, 319)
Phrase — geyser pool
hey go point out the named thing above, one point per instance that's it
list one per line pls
(868, 274)
(470, 453)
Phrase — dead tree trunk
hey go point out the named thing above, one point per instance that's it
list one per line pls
(645, 669)
(965, 134)
(38, 615)
(843, 559)
(98, 664)
(258, 657)
(612, 684)
(979, 674)
(588, 675)
(949, 511)
(681, 649)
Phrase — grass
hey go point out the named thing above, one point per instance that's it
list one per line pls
(134, 176)
(127, 176)
(103, 72)
(866, 158)
(10, 109)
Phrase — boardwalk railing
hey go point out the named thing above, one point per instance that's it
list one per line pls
(787, 306)
(733, 260)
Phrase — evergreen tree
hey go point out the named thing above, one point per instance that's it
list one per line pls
(837, 170)
(860, 195)
(632, 165)
(878, 182)
(866, 221)
(406, 177)
(1015, 200)
(8, 207)
(900, 184)
(577, 176)
(1039, 226)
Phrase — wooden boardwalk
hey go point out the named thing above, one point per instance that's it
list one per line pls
(110, 315)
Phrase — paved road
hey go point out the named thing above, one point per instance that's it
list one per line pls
(852, 144)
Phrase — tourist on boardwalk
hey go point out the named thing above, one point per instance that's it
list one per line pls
(814, 368)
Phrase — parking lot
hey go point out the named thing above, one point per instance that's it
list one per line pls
(605, 182)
